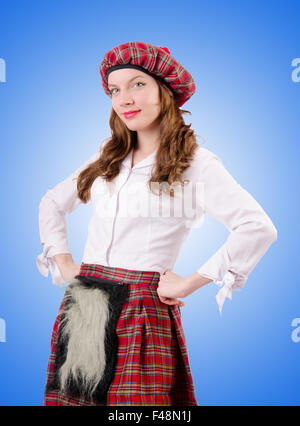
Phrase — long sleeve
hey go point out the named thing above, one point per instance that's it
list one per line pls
(54, 205)
(251, 230)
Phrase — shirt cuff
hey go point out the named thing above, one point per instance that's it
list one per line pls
(46, 262)
(231, 282)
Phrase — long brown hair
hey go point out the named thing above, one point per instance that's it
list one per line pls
(175, 152)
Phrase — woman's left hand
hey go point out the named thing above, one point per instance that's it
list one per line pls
(170, 287)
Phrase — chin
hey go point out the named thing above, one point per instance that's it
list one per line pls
(134, 127)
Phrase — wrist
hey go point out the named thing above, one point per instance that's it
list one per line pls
(195, 281)
(64, 260)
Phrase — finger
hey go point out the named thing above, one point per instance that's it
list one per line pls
(167, 300)
(172, 301)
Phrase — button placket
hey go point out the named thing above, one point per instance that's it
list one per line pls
(123, 178)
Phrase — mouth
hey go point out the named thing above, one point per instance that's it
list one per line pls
(131, 114)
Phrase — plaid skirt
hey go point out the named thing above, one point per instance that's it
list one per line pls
(112, 332)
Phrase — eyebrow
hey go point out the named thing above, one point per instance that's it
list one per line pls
(137, 76)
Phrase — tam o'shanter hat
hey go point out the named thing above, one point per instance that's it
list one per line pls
(155, 61)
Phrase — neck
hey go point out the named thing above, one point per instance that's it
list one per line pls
(146, 143)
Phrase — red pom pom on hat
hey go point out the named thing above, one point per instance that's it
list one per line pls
(165, 49)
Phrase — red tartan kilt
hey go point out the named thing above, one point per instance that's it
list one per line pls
(152, 365)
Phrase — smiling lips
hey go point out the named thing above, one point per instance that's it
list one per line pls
(130, 114)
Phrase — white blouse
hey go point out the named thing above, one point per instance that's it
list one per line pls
(135, 229)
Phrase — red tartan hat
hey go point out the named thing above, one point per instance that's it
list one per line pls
(153, 60)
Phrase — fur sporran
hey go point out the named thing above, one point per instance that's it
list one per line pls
(87, 342)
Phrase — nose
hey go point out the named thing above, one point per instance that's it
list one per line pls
(125, 98)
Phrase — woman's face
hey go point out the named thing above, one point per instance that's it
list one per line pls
(133, 90)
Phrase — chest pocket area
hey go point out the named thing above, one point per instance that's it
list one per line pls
(100, 193)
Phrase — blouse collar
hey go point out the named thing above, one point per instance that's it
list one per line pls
(148, 161)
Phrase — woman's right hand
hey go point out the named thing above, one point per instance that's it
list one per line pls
(69, 271)
(66, 265)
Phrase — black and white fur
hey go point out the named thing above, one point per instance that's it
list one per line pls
(87, 344)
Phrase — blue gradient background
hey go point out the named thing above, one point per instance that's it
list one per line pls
(53, 116)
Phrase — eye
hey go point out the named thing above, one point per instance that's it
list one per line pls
(138, 82)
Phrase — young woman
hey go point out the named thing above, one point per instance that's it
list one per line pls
(118, 337)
